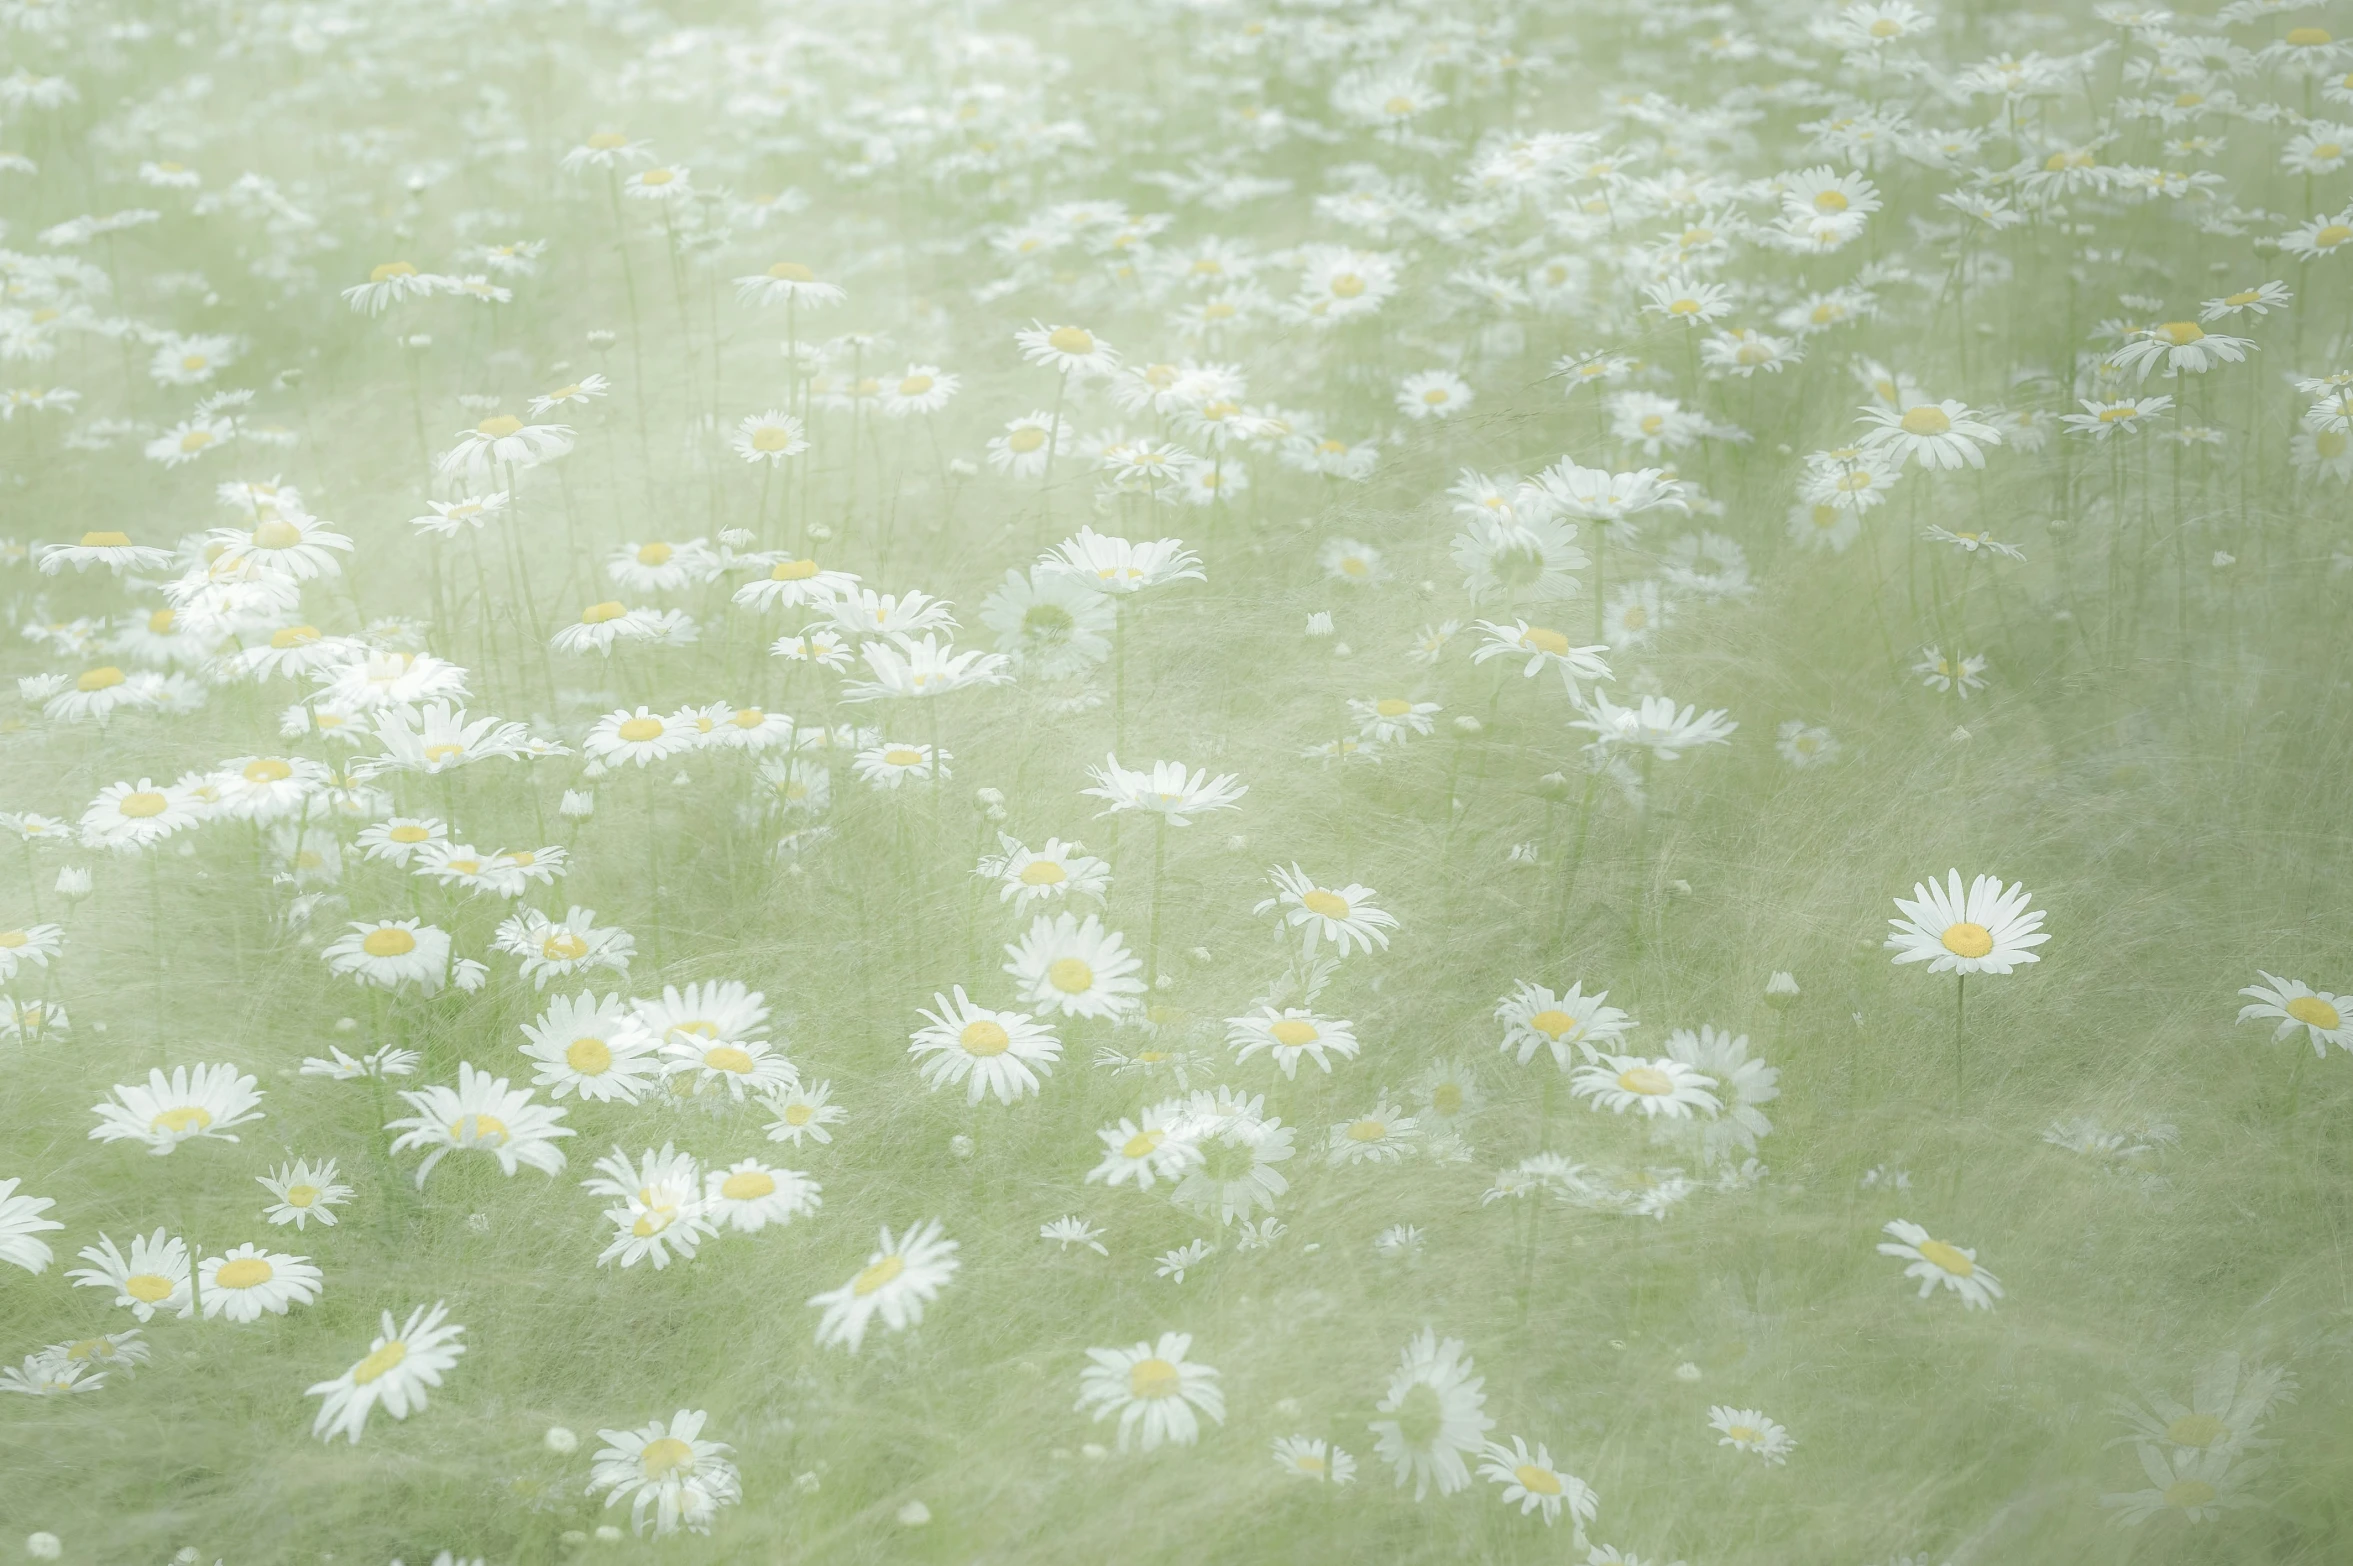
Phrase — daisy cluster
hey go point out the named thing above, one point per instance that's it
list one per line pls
(1061, 774)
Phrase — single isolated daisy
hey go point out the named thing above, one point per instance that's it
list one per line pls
(804, 1111)
(1533, 1483)
(194, 1101)
(400, 1364)
(1434, 1412)
(1288, 1034)
(1665, 1086)
(1935, 1262)
(1535, 1018)
(1345, 917)
(1314, 1460)
(2295, 1004)
(668, 1474)
(1154, 1390)
(1066, 966)
(249, 1280)
(1989, 929)
(898, 1280)
(1748, 1430)
(304, 1191)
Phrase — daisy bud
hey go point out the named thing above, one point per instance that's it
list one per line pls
(2222, 559)
(963, 468)
(1343, 650)
(806, 1483)
(560, 1441)
(579, 804)
(1553, 785)
(1687, 1371)
(914, 1515)
(73, 883)
(44, 1546)
(420, 341)
(1319, 623)
(990, 796)
(960, 1145)
(478, 1222)
(347, 1024)
(1200, 954)
(606, 1533)
(820, 532)
(1466, 725)
(1781, 991)
(1237, 843)
(601, 338)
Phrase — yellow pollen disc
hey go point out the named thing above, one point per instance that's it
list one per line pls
(1537, 638)
(915, 385)
(1071, 340)
(1398, 107)
(799, 1114)
(1308, 1463)
(1436, 396)
(791, 272)
(187, 1117)
(276, 533)
(10, 940)
(244, 1273)
(1293, 1033)
(1646, 1080)
(2332, 236)
(1554, 1024)
(301, 1195)
(657, 177)
(499, 427)
(2327, 149)
(1325, 905)
(1392, 707)
(2308, 37)
(1070, 975)
(1447, 1100)
(148, 1287)
(1347, 286)
(874, 1277)
(1026, 439)
(1367, 1131)
(1745, 1433)
(1947, 1257)
(638, 731)
(1684, 307)
(2196, 1430)
(1830, 201)
(1926, 420)
(390, 270)
(2181, 333)
(654, 555)
(1968, 940)
(984, 1038)
(2188, 1494)
(792, 571)
(377, 1364)
(391, 941)
(747, 1185)
(294, 636)
(267, 770)
(105, 677)
(772, 437)
(408, 834)
(563, 946)
(1537, 1481)
(194, 361)
(726, 1057)
(1150, 1378)
(106, 540)
(2314, 1012)
(160, 622)
(589, 1057)
(1142, 1144)
(608, 141)
(902, 756)
(1042, 872)
(481, 1130)
(664, 1457)
(1886, 28)
(141, 805)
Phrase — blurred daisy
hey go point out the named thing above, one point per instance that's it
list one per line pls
(304, 1191)
(1066, 966)
(400, 1364)
(1803, 745)
(1025, 876)
(390, 953)
(1164, 790)
(1159, 1145)
(2199, 1486)
(1345, 917)
(1155, 1390)
(1383, 1134)
(1535, 1018)
(898, 1280)
(667, 1473)
(1531, 1482)
(1936, 1263)
(1318, 1461)
(1435, 1413)
(1289, 1034)
(20, 1220)
(481, 1114)
(749, 1195)
(153, 1277)
(1664, 1086)
(804, 1111)
(1747, 1430)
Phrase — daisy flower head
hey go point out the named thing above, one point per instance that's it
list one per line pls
(804, 1111)
(127, 817)
(303, 1191)
(402, 1362)
(2295, 1004)
(2198, 1485)
(2228, 1404)
(480, 1114)
(1050, 874)
(668, 1474)
(1314, 1460)
(1160, 1145)
(695, 1063)
(749, 1195)
(1543, 648)
(1435, 1413)
(1066, 966)
(595, 1048)
(923, 388)
(1383, 1134)
(557, 949)
(1238, 1146)
(1533, 1483)
(1067, 350)
(153, 1277)
(1655, 724)
(2182, 347)
(1392, 720)
(1944, 434)
(1990, 929)
(1941, 673)
(1050, 622)
(899, 1279)
(243, 1283)
(1155, 1390)
(788, 282)
(1748, 1430)
(1348, 561)
(1110, 564)
(1287, 1035)
(1000, 1052)
(193, 1102)
(1939, 1264)
(1804, 745)
(1534, 1018)
(769, 438)
(1345, 917)
(20, 1220)
(1164, 789)
(1433, 394)
(1664, 1086)
(1029, 444)
(385, 954)
(793, 584)
(889, 766)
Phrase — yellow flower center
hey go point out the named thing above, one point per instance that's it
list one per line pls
(1554, 1024)
(1367, 1130)
(267, 770)
(160, 622)
(654, 554)
(186, 1117)
(1071, 340)
(1042, 872)
(747, 1185)
(665, 1457)
(915, 385)
(798, 1114)
(1926, 419)
(1149, 1378)
(984, 1038)
(379, 1363)
(301, 1195)
(1398, 107)
(1347, 286)
(771, 437)
(657, 178)
(1293, 1033)
(1026, 439)
(2196, 1430)
(390, 270)
(2327, 149)
(408, 834)
(294, 636)
(2314, 1012)
(876, 1276)
(1830, 201)
(1968, 940)
(638, 731)
(1070, 975)
(245, 1272)
(1537, 1481)
(902, 756)
(1325, 905)
(1542, 639)
(391, 941)
(1446, 1099)
(143, 804)
(480, 1130)
(2189, 1494)
(10, 940)
(563, 946)
(1947, 1258)
(106, 540)
(2181, 333)
(1391, 707)
(1886, 27)
(791, 272)
(105, 677)
(2308, 37)
(727, 1057)
(2332, 236)
(1646, 1080)
(499, 427)
(1142, 1144)
(591, 1057)
(148, 1287)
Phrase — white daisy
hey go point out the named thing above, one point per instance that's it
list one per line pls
(1990, 930)
(400, 1364)
(1154, 1389)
